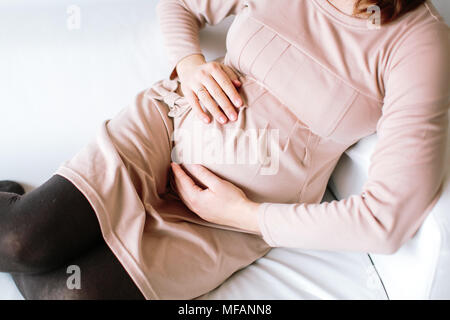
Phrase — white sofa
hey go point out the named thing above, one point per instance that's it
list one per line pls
(66, 65)
(421, 268)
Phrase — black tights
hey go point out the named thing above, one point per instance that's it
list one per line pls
(53, 227)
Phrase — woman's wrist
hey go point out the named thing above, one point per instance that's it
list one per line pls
(250, 212)
(186, 64)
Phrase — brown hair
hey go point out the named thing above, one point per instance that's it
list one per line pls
(390, 9)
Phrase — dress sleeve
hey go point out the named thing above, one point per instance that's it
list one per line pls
(181, 20)
(407, 167)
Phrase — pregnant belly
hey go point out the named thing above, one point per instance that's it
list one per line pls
(264, 152)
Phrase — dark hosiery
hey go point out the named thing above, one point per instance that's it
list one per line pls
(101, 277)
(43, 230)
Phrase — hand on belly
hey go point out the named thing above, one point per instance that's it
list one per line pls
(261, 152)
(214, 199)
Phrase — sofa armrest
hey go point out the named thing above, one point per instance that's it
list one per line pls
(421, 268)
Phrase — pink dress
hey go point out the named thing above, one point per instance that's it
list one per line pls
(315, 81)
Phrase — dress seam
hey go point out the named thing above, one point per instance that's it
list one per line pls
(276, 60)
(260, 52)
(246, 44)
(308, 172)
(337, 20)
(317, 62)
(348, 104)
(169, 131)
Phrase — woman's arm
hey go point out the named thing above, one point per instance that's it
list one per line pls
(209, 83)
(406, 168)
(181, 20)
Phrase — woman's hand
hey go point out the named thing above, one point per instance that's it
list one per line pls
(220, 202)
(211, 83)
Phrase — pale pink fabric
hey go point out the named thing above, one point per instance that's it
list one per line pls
(320, 79)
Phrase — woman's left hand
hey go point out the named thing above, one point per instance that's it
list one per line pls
(220, 202)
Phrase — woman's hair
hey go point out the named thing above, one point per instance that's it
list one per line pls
(390, 9)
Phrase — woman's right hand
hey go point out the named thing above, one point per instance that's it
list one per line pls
(211, 83)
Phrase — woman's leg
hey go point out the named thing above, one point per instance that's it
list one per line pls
(45, 228)
(50, 228)
(101, 277)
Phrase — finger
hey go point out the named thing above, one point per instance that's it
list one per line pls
(211, 105)
(183, 181)
(224, 81)
(206, 177)
(215, 90)
(232, 75)
(193, 101)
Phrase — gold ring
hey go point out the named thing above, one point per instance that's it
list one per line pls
(200, 90)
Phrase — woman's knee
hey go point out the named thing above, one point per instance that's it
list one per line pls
(21, 253)
(52, 286)
(21, 250)
(46, 227)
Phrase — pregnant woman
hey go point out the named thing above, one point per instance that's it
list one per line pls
(209, 169)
